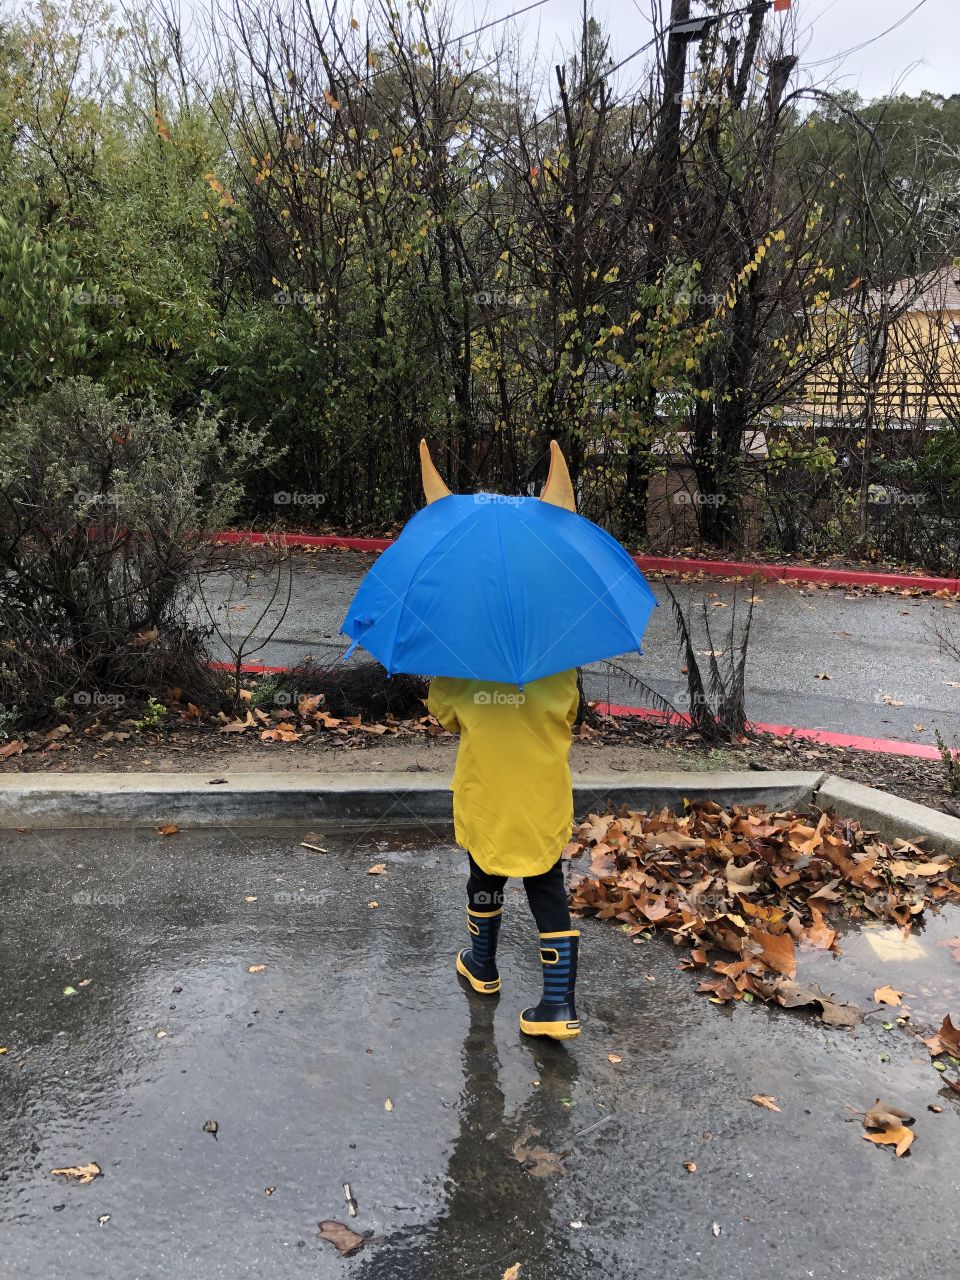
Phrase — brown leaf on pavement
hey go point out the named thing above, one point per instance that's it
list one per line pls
(168, 829)
(345, 1241)
(765, 1100)
(899, 1137)
(80, 1173)
(887, 1126)
(887, 995)
(776, 951)
(946, 1040)
(819, 934)
(537, 1161)
(377, 869)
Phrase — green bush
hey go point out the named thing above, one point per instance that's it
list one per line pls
(103, 510)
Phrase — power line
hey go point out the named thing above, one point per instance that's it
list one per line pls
(496, 21)
(866, 43)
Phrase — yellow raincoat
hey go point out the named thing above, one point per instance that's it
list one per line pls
(512, 793)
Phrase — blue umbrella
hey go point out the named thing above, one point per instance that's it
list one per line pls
(501, 589)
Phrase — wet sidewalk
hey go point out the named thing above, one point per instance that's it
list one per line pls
(350, 1005)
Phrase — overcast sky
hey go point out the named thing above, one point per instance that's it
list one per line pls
(921, 53)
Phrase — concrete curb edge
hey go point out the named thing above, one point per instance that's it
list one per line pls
(261, 799)
(65, 801)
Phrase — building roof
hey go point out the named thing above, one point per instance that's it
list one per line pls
(934, 292)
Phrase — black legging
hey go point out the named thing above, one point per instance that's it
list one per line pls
(546, 895)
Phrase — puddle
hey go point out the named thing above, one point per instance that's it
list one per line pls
(919, 964)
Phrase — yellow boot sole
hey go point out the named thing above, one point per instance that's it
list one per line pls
(482, 988)
(554, 1030)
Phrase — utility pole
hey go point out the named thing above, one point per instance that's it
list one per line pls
(668, 141)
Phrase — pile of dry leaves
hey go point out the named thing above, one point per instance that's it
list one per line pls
(753, 886)
(309, 714)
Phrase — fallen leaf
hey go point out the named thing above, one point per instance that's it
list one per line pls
(377, 869)
(614, 1057)
(776, 951)
(168, 829)
(887, 995)
(512, 1273)
(11, 749)
(345, 1241)
(946, 1040)
(888, 1127)
(211, 1126)
(765, 1100)
(69, 991)
(80, 1173)
(537, 1161)
(899, 1137)
(388, 1105)
(690, 1166)
(255, 968)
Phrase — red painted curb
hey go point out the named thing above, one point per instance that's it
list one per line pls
(249, 538)
(856, 742)
(651, 564)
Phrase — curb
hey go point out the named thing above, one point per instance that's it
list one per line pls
(893, 817)
(647, 564)
(69, 801)
(63, 802)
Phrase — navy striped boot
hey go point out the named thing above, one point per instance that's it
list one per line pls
(556, 1014)
(478, 963)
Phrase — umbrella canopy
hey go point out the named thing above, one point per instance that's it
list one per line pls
(498, 589)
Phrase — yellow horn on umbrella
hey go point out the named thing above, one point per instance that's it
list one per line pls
(433, 485)
(558, 490)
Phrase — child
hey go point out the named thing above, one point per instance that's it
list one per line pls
(473, 590)
(513, 811)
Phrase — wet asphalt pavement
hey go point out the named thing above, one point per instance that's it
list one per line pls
(359, 1004)
(868, 664)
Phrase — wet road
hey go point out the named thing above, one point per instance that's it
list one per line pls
(359, 1004)
(867, 665)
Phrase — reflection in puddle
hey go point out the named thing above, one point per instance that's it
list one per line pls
(919, 963)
